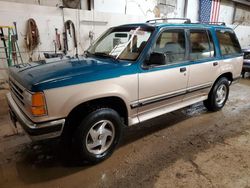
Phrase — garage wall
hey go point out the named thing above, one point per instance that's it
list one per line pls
(193, 10)
(49, 18)
(104, 6)
(106, 14)
(37, 2)
(242, 14)
(243, 34)
(226, 12)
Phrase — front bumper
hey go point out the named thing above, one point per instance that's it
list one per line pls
(36, 131)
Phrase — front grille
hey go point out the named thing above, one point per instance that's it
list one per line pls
(17, 91)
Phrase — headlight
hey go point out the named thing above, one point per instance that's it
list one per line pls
(36, 102)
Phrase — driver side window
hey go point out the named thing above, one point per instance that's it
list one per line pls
(172, 44)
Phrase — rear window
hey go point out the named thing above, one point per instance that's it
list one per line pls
(229, 44)
(200, 45)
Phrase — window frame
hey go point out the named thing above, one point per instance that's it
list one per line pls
(155, 40)
(210, 43)
(113, 29)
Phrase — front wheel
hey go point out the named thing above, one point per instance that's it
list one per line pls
(218, 95)
(98, 135)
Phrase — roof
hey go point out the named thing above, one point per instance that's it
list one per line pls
(165, 24)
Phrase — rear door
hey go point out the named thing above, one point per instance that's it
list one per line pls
(204, 66)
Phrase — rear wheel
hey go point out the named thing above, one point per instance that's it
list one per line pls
(218, 95)
(98, 134)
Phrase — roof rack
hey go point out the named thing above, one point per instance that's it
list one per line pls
(186, 20)
(212, 23)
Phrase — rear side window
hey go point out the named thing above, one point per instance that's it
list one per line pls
(200, 45)
(228, 42)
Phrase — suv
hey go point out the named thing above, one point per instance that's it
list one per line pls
(131, 74)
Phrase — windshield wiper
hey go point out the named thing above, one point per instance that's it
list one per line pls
(102, 54)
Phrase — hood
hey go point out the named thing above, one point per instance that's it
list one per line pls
(38, 76)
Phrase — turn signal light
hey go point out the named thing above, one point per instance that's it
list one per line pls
(38, 111)
(38, 99)
(38, 104)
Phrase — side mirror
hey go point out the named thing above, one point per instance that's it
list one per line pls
(156, 59)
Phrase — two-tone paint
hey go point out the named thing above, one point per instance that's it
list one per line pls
(147, 92)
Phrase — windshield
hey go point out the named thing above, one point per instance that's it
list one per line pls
(125, 43)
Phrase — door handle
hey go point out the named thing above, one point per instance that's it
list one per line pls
(215, 63)
(183, 69)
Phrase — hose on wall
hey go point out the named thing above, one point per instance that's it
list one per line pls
(32, 35)
(69, 24)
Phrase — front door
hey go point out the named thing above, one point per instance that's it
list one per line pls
(161, 86)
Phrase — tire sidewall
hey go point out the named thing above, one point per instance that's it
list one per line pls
(221, 81)
(85, 126)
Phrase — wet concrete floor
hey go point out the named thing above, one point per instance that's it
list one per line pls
(186, 148)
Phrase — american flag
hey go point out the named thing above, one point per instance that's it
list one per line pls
(209, 10)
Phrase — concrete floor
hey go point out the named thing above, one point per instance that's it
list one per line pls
(187, 148)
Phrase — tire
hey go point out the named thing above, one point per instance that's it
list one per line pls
(97, 135)
(218, 95)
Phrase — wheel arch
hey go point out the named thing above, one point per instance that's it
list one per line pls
(227, 75)
(84, 108)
